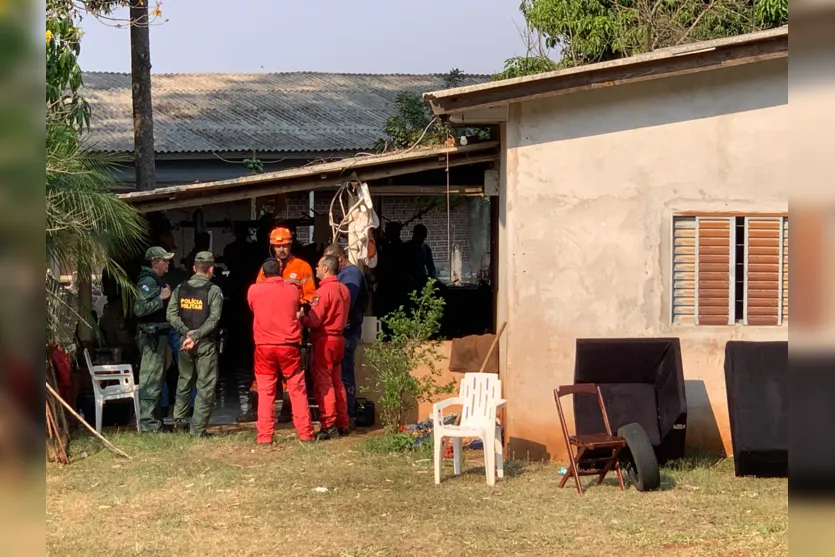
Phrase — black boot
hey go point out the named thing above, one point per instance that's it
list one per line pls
(325, 434)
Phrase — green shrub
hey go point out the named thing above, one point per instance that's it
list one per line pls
(395, 355)
(400, 442)
(390, 443)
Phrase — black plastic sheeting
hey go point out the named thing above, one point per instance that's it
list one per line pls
(642, 380)
(756, 380)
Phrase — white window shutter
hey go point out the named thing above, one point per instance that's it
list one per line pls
(684, 271)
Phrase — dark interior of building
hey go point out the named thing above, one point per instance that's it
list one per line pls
(469, 304)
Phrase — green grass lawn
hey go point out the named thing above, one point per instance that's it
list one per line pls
(225, 496)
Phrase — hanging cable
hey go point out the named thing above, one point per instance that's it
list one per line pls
(343, 225)
(448, 222)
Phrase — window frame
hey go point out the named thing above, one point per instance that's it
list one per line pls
(782, 290)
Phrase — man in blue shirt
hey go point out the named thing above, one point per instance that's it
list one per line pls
(353, 279)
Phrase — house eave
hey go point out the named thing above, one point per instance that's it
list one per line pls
(669, 62)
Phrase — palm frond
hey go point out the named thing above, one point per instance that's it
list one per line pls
(88, 229)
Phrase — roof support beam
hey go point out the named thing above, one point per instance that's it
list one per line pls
(190, 196)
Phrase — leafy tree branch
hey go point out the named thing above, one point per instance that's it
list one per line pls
(413, 124)
(589, 31)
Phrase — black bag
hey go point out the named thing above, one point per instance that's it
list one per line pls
(365, 415)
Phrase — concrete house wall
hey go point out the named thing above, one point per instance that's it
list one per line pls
(590, 184)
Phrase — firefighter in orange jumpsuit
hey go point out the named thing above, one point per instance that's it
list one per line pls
(295, 271)
(326, 318)
(278, 334)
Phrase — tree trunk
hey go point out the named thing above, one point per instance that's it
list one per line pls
(143, 117)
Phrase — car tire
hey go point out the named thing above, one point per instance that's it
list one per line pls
(639, 458)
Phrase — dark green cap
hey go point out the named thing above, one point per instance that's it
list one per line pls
(204, 257)
(156, 252)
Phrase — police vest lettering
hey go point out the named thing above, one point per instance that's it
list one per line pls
(191, 303)
(194, 304)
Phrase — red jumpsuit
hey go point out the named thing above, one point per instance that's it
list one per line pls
(277, 335)
(326, 319)
(298, 273)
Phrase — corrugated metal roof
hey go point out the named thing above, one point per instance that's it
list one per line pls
(287, 112)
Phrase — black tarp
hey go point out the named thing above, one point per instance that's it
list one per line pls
(756, 380)
(642, 380)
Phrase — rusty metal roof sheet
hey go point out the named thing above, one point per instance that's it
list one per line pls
(269, 112)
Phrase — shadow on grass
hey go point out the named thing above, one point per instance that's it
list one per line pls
(512, 468)
(84, 445)
(694, 460)
(668, 482)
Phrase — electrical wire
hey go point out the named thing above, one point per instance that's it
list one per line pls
(341, 228)
(426, 129)
(448, 222)
(242, 162)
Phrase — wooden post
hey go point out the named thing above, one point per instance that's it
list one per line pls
(143, 116)
(492, 349)
(85, 307)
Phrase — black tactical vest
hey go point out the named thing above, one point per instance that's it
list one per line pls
(194, 305)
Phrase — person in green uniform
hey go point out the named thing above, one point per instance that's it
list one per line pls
(152, 334)
(172, 278)
(194, 312)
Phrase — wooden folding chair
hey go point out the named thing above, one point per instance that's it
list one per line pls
(579, 445)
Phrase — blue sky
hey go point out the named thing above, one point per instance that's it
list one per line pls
(356, 36)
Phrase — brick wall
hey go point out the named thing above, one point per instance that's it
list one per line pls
(402, 209)
(390, 208)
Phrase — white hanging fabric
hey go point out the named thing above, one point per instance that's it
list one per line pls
(358, 223)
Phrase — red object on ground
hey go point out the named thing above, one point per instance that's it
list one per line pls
(269, 362)
(61, 362)
(328, 352)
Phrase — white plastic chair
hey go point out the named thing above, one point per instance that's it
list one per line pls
(126, 388)
(480, 395)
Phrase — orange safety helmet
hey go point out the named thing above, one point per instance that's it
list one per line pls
(280, 237)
